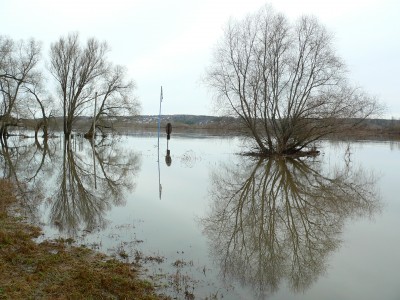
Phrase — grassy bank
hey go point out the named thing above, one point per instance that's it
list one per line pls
(55, 269)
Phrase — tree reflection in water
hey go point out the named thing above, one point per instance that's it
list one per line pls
(80, 180)
(277, 220)
(26, 163)
(89, 186)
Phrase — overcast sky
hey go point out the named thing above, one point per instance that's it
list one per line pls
(170, 43)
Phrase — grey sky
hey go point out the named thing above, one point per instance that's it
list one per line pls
(169, 43)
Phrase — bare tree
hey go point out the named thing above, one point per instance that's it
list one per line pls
(18, 63)
(6, 46)
(284, 81)
(115, 97)
(41, 104)
(76, 70)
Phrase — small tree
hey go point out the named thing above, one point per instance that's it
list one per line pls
(115, 97)
(284, 81)
(41, 103)
(18, 62)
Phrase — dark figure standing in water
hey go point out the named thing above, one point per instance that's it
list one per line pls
(168, 129)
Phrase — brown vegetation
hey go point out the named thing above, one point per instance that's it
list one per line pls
(55, 269)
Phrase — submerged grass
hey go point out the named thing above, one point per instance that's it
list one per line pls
(55, 269)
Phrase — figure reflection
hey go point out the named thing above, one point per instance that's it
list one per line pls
(168, 159)
(89, 186)
(277, 220)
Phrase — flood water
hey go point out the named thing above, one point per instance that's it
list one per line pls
(206, 223)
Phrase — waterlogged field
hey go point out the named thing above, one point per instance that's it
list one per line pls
(206, 223)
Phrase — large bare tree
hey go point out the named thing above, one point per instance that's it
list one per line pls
(83, 72)
(76, 70)
(284, 81)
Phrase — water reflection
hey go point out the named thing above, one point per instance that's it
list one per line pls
(81, 180)
(26, 162)
(276, 221)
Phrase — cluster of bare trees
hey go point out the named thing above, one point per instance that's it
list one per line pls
(81, 72)
(284, 82)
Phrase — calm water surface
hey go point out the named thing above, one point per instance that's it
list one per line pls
(213, 224)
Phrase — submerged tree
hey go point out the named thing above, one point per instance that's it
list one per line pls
(285, 82)
(76, 70)
(41, 104)
(81, 72)
(18, 68)
(115, 97)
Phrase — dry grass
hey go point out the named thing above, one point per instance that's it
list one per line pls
(55, 269)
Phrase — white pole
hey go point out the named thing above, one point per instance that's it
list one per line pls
(94, 115)
(159, 119)
(159, 124)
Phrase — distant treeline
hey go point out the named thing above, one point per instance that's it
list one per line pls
(368, 128)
